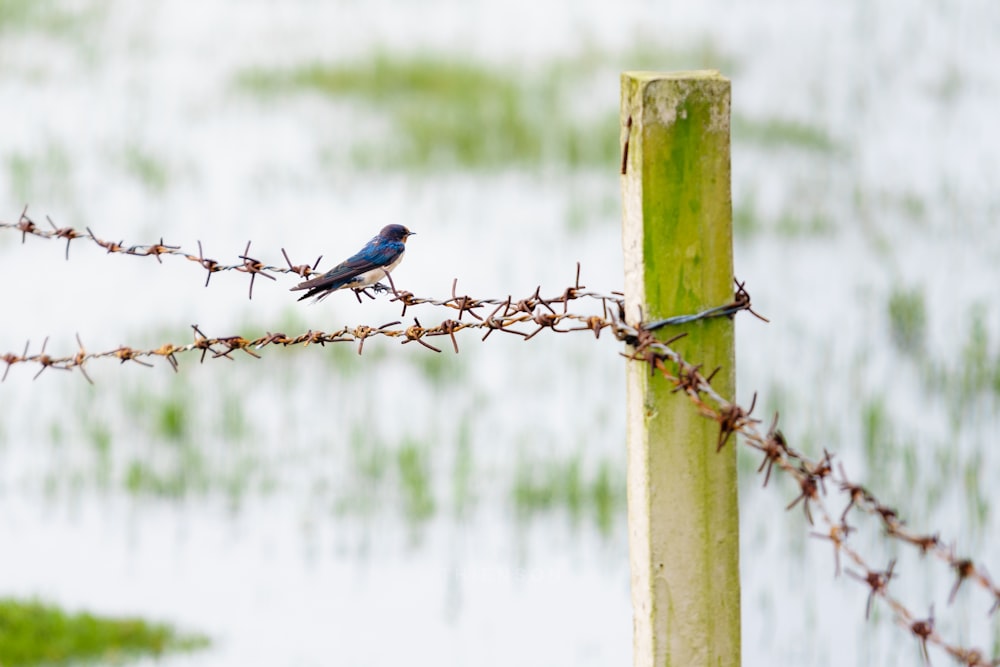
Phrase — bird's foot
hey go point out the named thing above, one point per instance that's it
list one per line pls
(379, 288)
(358, 291)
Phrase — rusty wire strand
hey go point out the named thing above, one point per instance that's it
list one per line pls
(510, 316)
(811, 476)
(249, 265)
(502, 318)
(463, 304)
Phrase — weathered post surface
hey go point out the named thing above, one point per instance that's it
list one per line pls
(683, 518)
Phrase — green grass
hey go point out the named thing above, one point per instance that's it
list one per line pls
(969, 372)
(20, 14)
(891, 452)
(145, 168)
(34, 633)
(71, 21)
(976, 496)
(562, 484)
(165, 443)
(369, 455)
(980, 369)
(464, 470)
(995, 642)
(378, 472)
(172, 418)
(187, 472)
(792, 225)
(607, 496)
(449, 111)
(41, 176)
(414, 467)
(782, 133)
(168, 415)
(875, 433)
(235, 422)
(913, 206)
(907, 320)
(588, 207)
(746, 220)
(100, 437)
(439, 370)
(808, 223)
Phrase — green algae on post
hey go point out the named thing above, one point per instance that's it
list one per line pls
(677, 239)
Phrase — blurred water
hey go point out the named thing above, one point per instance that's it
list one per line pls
(314, 507)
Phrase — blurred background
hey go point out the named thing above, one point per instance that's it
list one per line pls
(315, 507)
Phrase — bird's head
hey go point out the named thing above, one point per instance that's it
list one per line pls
(395, 233)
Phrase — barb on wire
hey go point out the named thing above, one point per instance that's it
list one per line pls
(923, 630)
(836, 535)
(255, 267)
(876, 581)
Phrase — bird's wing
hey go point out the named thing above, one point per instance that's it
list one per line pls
(370, 257)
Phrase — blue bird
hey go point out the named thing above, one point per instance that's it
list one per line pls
(372, 263)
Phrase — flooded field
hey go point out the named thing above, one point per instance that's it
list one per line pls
(314, 506)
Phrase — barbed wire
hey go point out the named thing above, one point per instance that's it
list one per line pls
(534, 314)
(811, 476)
(248, 265)
(526, 317)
